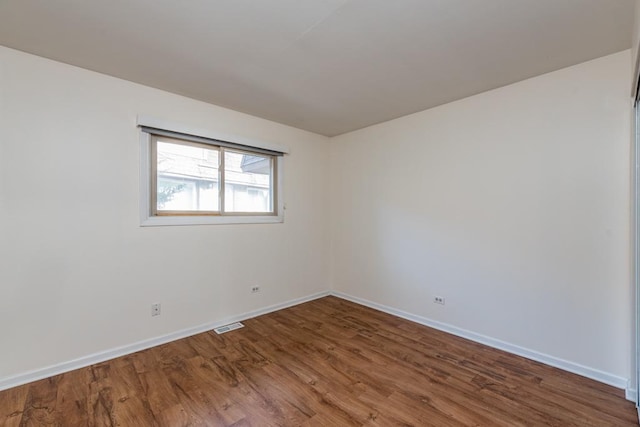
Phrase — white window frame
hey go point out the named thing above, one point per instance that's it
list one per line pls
(147, 219)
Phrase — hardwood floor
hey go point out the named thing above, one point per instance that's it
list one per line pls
(328, 362)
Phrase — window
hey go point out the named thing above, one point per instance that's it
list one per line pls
(192, 178)
(185, 180)
(195, 180)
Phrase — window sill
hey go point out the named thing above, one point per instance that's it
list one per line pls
(154, 221)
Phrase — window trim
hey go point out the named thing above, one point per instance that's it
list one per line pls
(147, 218)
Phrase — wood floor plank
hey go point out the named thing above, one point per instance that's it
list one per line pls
(40, 405)
(158, 391)
(196, 403)
(12, 404)
(328, 362)
(72, 397)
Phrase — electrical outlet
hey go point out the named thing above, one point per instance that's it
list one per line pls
(155, 309)
(255, 289)
(438, 300)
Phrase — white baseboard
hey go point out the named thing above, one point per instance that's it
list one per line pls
(575, 368)
(81, 362)
(631, 394)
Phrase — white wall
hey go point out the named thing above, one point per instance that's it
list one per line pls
(77, 272)
(512, 204)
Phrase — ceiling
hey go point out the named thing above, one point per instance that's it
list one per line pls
(327, 66)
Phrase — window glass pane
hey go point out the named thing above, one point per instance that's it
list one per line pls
(187, 177)
(247, 182)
